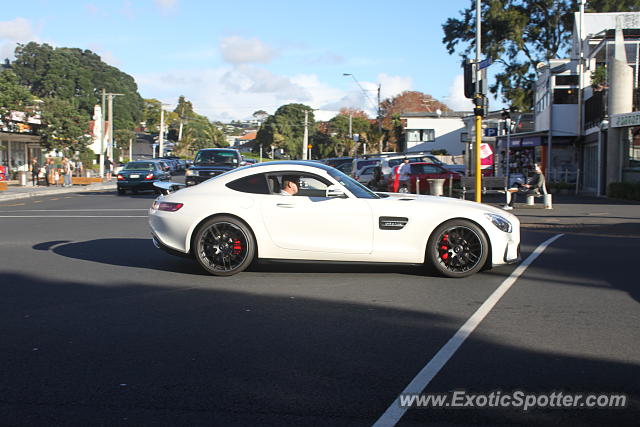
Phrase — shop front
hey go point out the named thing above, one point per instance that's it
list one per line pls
(16, 152)
(523, 152)
(628, 139)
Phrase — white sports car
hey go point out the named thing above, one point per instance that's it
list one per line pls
(229, 221)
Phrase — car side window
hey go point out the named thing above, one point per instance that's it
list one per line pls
(431, 169)
(255, 184)
(309, 185)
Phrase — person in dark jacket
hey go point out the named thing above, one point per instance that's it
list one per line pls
(35, 171)
(535, 185)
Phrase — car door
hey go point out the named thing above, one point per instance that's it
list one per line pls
(310, 221)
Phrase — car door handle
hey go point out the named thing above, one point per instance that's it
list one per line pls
(285, 205)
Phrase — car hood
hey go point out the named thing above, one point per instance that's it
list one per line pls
(423, 201)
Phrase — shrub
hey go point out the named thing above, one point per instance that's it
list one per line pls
(624, 190)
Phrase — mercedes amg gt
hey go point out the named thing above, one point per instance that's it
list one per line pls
(243, 215)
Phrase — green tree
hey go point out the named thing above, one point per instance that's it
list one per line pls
(13, 96)
(122, 138)
(285, 129)
(77, 76)
(63, 126)
(197, 134)
(339, 127)
(519, 34)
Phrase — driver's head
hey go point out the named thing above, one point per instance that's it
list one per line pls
(291, 183)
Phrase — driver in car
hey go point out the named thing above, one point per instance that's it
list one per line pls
(290, 185)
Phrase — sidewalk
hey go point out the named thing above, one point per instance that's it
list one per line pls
(581, 214)
(16, 191)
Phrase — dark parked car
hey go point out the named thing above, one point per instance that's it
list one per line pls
(140, 175)
(210, 162)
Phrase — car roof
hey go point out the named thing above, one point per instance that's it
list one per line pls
(290, 163)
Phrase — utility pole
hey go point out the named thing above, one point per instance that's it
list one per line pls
(110, 138)
(161, 133)
(351, 126)
(305, 140)
(130, 149)
(102, 117)
(478, 110)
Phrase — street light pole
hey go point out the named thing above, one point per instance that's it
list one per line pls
(305, 140)
(102, 121)
(478, 109)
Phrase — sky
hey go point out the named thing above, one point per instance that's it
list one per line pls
(232, 58)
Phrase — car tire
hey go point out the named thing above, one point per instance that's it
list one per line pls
(224, 246)
(121, 191)
(457, 248)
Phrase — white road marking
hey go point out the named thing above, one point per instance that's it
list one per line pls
(394, 412)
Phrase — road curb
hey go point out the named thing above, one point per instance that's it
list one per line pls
(53, 192)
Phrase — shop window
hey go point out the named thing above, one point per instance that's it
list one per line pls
(565, 96)
(634, 149)
(570, 80)
(421, 135)
(4, 153)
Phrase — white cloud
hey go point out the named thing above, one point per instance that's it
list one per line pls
(166, 5)
(237, 50)
(456, 99)
(18, 30)
(393, 85)
(227, 92)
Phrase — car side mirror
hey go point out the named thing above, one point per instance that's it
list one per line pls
(334, 191)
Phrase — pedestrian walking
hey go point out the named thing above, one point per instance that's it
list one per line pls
(108, 164)
(35, 171)
(50, 170)
(405, 175)
(66, 172)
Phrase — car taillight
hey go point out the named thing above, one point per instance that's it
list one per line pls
(150, 176)
(167, 206)
(120, 177)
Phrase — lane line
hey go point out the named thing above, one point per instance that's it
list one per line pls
(73, 216)
(394, 412)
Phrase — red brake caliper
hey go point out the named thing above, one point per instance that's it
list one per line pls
(444, 248)
(237, 247)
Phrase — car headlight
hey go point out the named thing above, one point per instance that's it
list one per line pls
(190, 172)
(500, 222)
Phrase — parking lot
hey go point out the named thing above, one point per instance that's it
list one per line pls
(99, 327)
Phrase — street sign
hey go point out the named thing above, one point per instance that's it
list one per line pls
(485, 63)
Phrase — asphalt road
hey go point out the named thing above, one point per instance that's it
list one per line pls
(100, 328)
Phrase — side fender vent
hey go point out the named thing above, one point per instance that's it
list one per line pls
(392, 222)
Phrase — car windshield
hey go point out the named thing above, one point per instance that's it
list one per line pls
(362, 163)
(216, 158)
(357, 189)
(139, 166)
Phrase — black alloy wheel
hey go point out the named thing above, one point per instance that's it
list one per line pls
(224, 246)
(457, 248)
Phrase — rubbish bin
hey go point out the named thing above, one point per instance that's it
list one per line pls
(22, 178)
(436, 186)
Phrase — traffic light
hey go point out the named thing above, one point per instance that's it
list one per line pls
(469, 79)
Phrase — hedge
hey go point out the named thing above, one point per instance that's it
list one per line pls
(624, 190)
